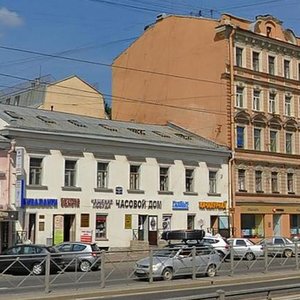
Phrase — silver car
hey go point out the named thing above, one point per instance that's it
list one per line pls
(82, 256)
(244, 248)
(179, 260)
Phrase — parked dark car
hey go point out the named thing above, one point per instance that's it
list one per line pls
(29, 258)
(84, 256)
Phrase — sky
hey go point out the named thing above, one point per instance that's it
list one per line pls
(42, 37)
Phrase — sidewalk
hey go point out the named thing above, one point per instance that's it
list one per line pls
(144, 287)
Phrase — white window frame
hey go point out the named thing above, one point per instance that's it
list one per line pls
(272, 103)
(290, 181)
(70, 175)
(288, 133)
(259, 186)
(256, 67)
(134, 176)
(213, 181)
(189, 179)
(256, 103)
(164, 179)
(102, 175)
(242, 180)
(239, 96)
(288, 105)
(286, 74)
(273, 56)
(276, 140)
(241, 64)
(260, 138)
(35, 172)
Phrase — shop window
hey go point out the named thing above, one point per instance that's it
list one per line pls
(134, 183)
(212, 182)
(85, 220)
(70, 173)
(101, 227)
(252, 225)
(189, 180)
(163, 178)
(271, 65)
(295, 224)
(102, 175)
(35, 171)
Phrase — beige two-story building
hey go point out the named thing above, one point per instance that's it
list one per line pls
(236, 82)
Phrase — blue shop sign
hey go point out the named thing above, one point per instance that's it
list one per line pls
(40, 202)
(180, 205)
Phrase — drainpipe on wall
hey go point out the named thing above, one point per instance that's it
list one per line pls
(231, 165)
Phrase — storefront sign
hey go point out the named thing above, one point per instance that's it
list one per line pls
(19, 161)
(212, 205)
(180, 205)
(139, 204)
(70, 203)
(102, 203)
(86, 236)
(128, 221)
(20, 187)
(8, 215)
(40, 202)
(58, 229)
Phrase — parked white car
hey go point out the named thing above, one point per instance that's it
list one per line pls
(245, 248)
(219, 243)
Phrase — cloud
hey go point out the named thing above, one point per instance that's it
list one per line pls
(9, 18)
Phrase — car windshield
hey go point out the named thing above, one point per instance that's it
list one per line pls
(52, 250)
(167, 252)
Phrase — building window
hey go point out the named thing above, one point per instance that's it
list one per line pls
(163, 179)
(252, 225)
(273, 141)
(290, 183)
(134, 183)
(70, 173)
(239, 56)
(101, 227)
(286, 68)
(35, 171)
(256, 100)
(189, 180)
(102, 175)
(17, 100)
(241, 180)
(288, 105)
(289, 143)
(258, 181)
(257, 139)
(240, 137)
(212, 182)
(190, 222)
(255, 61)
(271, 65)
(272, 102)
(274, 182)
(239, 96)
(85, 220)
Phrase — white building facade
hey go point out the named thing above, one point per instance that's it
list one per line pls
(113, 183)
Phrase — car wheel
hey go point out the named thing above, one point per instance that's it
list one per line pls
(167, 274)
(84, 266)
(287, 253)
(250, 256)
(38, 268)
(211, 270)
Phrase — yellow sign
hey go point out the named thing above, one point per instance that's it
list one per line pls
(212, 205)
(128, 219)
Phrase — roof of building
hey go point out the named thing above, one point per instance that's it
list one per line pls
(36, 120)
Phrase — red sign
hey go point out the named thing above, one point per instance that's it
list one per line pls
(70, 202)
(86, 236)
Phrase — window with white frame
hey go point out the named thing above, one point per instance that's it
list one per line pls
(239, 56)
(290, 183)
(257, 139)
(286, 68)
(102, 175)
(164, 178)
(134, 177)
(212, 182)
(255, 61)
(288, 105)
(241, 180)
(189, 180)
(271, 65)
(289, 142)
(35, 171)
(272, 102)
(256, 99)
(239, 97)
(274, 182)
(70, 173)
(273, 141)
(240, 137)
(258, 181)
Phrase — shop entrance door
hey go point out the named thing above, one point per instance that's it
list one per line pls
(152, 230)
(143, 228)
(69, 228)
(31, 227)
(277, 224)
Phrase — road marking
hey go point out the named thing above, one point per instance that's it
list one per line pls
(4, 288)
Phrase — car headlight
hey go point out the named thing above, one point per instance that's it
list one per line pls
(155, 267)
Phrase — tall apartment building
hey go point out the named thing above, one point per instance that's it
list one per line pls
(70, 95)
(233, 81)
